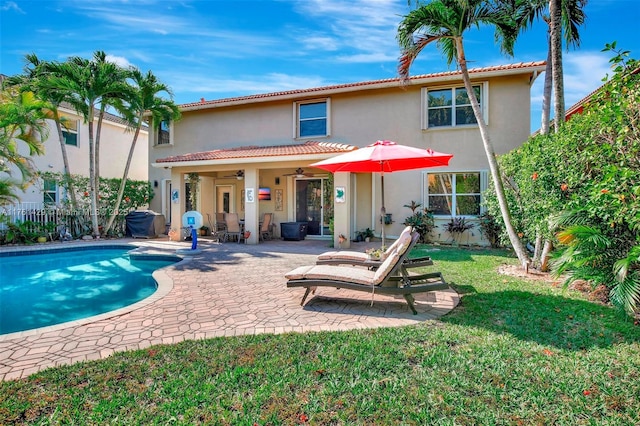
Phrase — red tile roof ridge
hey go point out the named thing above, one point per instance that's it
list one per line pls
(309, 147)
(203, 103)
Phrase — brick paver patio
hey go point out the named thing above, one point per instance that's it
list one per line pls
(227, 290)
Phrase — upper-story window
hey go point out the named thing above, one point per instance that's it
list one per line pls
(312, 119)
(70, 132)
(163, 133)
(450, 107)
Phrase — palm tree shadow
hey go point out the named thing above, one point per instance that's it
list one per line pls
(549, 320)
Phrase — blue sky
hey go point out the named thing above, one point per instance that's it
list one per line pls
(226, 48)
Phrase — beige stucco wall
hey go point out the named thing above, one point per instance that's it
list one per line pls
(115, 144)
(357, 118)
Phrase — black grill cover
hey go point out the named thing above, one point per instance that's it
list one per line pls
(144, 224)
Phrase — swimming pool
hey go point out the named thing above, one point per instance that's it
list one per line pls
(43, 289)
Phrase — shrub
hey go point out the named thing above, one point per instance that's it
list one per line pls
(421, 220)
(580, 188)
(456, 227)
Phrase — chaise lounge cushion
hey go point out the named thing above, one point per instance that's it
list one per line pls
(346, 255)
(393, 257)
(328, 272)
(353, 275)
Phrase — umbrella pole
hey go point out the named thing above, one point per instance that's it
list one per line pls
(383, 211)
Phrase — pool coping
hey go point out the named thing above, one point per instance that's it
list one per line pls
(164, 283)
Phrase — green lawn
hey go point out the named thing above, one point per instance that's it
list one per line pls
(514, 352)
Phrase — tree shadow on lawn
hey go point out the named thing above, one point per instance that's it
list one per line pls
(550, 320)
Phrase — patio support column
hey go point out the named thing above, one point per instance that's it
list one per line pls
(177, 209)
(251, 208)
(342, 210)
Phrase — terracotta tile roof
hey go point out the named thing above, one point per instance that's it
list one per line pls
(311, 147)
(497, 69)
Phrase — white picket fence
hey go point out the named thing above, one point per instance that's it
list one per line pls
(77, 222)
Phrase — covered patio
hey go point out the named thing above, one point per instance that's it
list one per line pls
(252, 181)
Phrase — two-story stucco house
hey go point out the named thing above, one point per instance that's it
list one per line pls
(253, 153)
(115, 144)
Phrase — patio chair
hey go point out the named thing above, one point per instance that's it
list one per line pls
(356, 258)
(221, 225)
(383, 280)
(265, 228)
(233, 226)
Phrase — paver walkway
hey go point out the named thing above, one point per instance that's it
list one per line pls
(227, 290)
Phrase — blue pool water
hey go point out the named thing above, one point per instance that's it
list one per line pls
(38, 290)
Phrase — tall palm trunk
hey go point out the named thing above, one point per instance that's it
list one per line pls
(546, 94)
(65, 161)
(555, 12)
(97, 149)
(92, 178)
(517, 245)
(125, 174)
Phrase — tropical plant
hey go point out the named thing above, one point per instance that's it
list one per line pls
(563, 18)
(34, 75)
(89, 86)
(22, 127)
(143, 102)
(490, 229)
(445, 22)
(421, 220)
(580, 187)
(456, 227)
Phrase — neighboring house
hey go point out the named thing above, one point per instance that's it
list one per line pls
(114, 148)
(263, 144)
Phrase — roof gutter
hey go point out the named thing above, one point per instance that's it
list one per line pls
(244, 160)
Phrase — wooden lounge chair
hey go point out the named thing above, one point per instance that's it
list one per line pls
(384, 280)
(356, 258)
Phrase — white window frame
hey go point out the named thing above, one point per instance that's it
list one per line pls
(156, 134)
(296, 115)
(484, 184)
(484, 105)
(75, 131)
(53, 191)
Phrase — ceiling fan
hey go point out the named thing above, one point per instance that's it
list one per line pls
(238, 175)
(299, 173)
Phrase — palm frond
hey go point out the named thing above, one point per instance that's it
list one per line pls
(621, 267)
(626, 294)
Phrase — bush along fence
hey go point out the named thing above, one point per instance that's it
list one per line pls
(24, 223)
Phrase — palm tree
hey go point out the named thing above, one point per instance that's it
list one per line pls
(85, 85)
(444, 22)
(144, 102)
(22, 125)
(34, 72)
(563, 17)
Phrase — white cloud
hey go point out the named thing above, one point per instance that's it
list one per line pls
(583, 73)
(119, 60)
(11, 5)
(365, 29)
(212, 86)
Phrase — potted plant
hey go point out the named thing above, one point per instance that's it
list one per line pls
(204, 230)
(368, 234)
(374, 254)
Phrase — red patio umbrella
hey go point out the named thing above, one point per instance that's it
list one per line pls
(384, 157)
